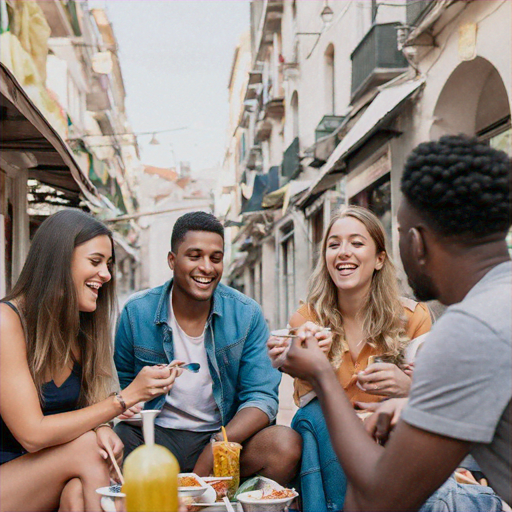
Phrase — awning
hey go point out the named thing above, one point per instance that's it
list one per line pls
(379, 111)
(263, 184)
(26, 130)
(283, 195)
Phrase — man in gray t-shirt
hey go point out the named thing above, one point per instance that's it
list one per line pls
(453, 220)
(468, 395)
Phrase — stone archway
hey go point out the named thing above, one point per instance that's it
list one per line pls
(473, 98)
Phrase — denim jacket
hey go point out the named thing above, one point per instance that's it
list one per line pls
(235, 341)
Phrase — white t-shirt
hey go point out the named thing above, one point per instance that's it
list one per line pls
(190, 404)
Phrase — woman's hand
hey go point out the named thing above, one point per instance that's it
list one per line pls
(151, 381)
(131, 411)
(409, 369)
(108, 440)
(304, 359)
(324, 338)
(277, 348)
(384, 379)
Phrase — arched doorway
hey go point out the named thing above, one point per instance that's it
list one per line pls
(474, 101)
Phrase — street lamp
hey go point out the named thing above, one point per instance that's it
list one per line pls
(327, 15)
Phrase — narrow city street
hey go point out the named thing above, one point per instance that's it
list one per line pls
(224, 183)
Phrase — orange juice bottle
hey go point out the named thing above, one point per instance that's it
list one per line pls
(151, 474)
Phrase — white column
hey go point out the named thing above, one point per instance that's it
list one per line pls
(21, 232)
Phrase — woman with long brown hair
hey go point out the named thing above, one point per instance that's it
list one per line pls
(354, 293)
(56, 370)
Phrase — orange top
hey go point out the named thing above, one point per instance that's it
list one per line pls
(418, 323)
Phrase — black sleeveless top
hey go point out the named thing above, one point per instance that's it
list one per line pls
(63, 398)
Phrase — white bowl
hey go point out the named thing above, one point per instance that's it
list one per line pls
(251, 502)
(193, 491)
(108, 498)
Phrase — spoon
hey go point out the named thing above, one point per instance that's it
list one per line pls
(191, 367)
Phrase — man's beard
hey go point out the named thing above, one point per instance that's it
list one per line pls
(423, 287)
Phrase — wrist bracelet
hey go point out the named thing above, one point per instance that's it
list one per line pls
(95, 429)
(120, 399)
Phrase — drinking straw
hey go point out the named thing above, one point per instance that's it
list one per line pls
(224, 434)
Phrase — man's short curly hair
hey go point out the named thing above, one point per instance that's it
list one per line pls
(194, 221)
(460, 186)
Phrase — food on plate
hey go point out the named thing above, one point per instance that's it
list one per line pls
(279, 495)
(221, 488)
(188, 481)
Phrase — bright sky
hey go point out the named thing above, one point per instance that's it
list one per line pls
(176, 57)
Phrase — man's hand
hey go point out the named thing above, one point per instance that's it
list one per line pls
(305, 359)
(384, 379)
(384, 418)
(108, 440)
(204, 464)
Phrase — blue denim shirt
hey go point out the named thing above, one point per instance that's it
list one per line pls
(235, 341)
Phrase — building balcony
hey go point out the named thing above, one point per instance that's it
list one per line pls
(265, 20)
(290, 166)
(416, 9)
(254, 158)
(263, 130)
(376, 59)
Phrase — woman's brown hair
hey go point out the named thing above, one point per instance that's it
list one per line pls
(48, 302)
(382, 316)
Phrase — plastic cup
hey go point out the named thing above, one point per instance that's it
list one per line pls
(226, 462)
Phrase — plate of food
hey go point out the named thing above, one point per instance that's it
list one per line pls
(220, 485)
(275, 500)
(218, 506)
(190, 484)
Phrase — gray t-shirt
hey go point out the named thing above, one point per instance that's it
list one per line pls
(462, 385)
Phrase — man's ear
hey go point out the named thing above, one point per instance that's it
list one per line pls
(171, 258)
(419, 248)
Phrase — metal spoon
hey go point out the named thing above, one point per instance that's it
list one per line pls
(191, 367)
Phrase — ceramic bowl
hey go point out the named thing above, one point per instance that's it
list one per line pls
(111, 501)
(251, 502)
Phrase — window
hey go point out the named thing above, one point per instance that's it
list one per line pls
(294, 104)
(288, 274)
(377, 198)
(330, 94)
(317, 231)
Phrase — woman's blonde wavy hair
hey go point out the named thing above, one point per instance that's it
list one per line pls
(383, 314)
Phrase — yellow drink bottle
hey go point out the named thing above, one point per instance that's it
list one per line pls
(151, 474)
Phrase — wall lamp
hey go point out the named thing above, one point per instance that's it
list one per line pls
(327, 16)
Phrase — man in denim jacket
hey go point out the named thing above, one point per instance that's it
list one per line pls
(194, 318)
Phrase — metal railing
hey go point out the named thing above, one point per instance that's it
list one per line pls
(377, 51)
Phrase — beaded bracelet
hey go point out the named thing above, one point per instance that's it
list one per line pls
(120, 399)
(95, 429)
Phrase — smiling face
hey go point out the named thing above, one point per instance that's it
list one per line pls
(351, 255)
(198, 264)
(90, 269)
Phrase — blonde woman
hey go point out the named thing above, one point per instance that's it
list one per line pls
(353, 292)
(56, 370)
